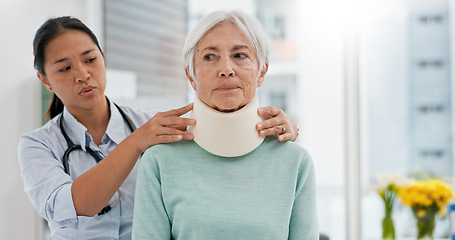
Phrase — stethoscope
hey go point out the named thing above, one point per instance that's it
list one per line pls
(98, 158)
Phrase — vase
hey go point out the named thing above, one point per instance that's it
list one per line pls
(425, 224)
(388, 229)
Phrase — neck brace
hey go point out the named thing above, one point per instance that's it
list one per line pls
(226, 134)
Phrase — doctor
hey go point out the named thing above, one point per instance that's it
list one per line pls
(79, 169)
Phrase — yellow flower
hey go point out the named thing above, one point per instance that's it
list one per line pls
(387, 187)
(387, 182)
(425, 195)
(442, 212)
(421, 213)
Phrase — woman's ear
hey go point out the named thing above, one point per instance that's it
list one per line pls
(190, 78)
(262, 74)
(44, 80)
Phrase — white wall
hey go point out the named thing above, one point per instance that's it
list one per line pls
(383, 72)
(321, 96)
(19, 98)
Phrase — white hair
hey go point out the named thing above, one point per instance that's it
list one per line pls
(249, 26)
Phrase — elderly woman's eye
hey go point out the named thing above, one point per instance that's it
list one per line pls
(209, 57)
(240, 55)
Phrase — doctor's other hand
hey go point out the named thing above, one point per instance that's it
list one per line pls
(276, 122)
(164, 127)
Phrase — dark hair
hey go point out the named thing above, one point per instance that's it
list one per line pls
(51, 29)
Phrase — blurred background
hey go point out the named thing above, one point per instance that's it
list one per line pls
(369, 81)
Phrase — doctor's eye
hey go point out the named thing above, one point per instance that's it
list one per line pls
(91, 60)
(65, 69)
(209, 57)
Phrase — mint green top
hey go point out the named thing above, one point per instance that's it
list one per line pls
(185, 192)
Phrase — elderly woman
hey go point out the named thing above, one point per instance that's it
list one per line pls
(232, 184)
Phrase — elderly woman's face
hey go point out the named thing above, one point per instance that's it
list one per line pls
(226, 69)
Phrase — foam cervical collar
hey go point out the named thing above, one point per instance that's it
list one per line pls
(226, 134)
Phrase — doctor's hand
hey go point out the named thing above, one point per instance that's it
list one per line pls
(164, 127)
(276, 122)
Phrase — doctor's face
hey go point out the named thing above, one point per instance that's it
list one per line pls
(226, 67)
(75, 70)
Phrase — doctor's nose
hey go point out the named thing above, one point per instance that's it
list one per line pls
(226, 69)
(82, 75)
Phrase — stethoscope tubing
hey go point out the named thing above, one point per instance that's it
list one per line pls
(98, 158)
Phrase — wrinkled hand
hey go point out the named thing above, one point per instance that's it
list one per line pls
(275, 121)
(164, 127)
